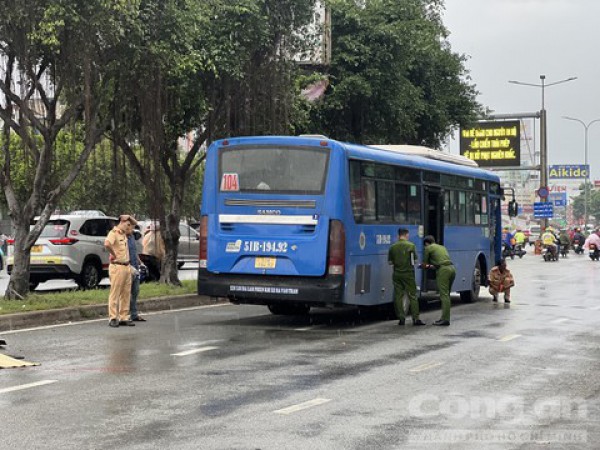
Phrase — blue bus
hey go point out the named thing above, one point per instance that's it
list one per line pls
(299, 222)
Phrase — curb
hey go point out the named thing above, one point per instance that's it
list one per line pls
(32, 319)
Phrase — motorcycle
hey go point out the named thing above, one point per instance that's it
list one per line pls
(519, 251)
(508, 251)
(564, 250)
(594, 252)
(578, 248)
(549, 253)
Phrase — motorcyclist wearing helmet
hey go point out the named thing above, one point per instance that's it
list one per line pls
(578, 237)
(520, 237)
(507, 241)
(564, 241)
(593, 238)
(549, 240)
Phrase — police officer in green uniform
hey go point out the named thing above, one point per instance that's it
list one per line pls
(402, 256)
(436, 257)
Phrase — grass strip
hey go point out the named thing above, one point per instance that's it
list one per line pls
(65, 299)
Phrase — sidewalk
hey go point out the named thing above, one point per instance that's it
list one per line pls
(57, 316)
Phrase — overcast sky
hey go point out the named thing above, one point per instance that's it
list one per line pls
(522, 39)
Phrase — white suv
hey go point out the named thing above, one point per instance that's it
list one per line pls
(70, 247)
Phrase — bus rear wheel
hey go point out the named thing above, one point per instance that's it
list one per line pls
(472, 294)
(289, 310)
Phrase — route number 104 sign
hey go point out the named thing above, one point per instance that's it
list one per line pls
(230, 182)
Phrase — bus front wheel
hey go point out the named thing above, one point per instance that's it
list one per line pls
(289, 310)
(472, 294)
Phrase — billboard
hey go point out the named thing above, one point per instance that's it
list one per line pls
(563, 171)
(492, 143)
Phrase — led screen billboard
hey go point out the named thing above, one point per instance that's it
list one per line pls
(492, 143)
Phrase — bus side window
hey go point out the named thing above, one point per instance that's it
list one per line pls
(356, 194)
(462, 207)
(385, 201)
(414, 204)
(454, 207)
(401, 208)
(368, 195)
(470, 208)
(447, 207)
(477, 208)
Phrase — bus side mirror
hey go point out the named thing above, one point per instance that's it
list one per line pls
(513, 208)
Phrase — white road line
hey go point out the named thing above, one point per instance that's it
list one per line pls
(596, 308)
(301, 406)
(427, 366)
(561, 320)
(27, 386)
(194, 351)
(105, 319)
(303, 329)
(510, 337)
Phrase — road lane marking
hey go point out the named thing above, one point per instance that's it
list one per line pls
(194, 351)
(427, 366)
(510, 337)
(596, 308)
(561, 320)
(27, 386)
(81, 322)
(301, 406)
(202, 343)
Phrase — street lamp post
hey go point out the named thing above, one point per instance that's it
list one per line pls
(543, 132)
(587, 173)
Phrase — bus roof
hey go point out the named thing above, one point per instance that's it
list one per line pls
(426, 152)
(418, 157)
(414, 156)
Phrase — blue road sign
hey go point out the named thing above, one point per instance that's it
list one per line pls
(543, 210)
(561, 203)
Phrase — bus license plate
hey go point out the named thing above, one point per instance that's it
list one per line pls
(264, 263)
(36, 249)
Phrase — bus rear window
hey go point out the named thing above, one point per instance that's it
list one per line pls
(288, 170)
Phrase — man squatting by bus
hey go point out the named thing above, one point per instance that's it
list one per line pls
(402, 255)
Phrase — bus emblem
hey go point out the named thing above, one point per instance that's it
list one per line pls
(362, 240)
(234, 247)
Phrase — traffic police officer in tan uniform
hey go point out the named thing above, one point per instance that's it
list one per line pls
(402, 255)
(120, 272)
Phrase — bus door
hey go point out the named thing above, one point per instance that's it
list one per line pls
(495, 228)
(433, 224)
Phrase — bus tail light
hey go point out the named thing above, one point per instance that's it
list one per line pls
(203, 241)
(337, 248)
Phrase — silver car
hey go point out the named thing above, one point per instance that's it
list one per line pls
(189, 243)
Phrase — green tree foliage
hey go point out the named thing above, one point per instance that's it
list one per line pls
(51, 53)
(593, 204)
(393, 77)
(203, 68)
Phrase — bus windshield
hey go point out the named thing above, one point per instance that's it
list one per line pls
(281, 170)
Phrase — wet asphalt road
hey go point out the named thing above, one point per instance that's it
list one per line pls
(516, 376)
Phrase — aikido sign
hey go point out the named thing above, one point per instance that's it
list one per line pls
(493, 143)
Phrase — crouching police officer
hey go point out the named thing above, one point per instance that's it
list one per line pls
(436, 257)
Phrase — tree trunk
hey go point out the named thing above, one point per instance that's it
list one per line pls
(18, 286)
(171, 236)
(170, 273)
